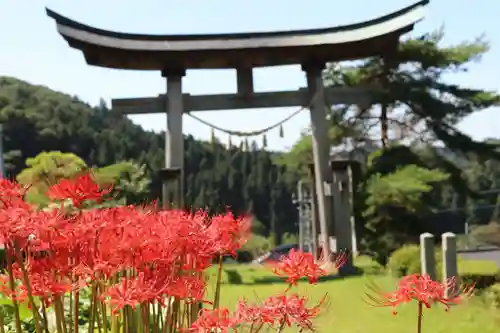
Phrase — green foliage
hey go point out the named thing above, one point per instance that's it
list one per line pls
(258, 227)
(130, 180)
(368, 266)
(404, 261)
(403, 188)
(493, 295)
(396, 205)
(289, 238)
(299, 157)
(487, 234)
(45, 170)
(480, 281)
(257, 245)
(483, 206)
(233, 276)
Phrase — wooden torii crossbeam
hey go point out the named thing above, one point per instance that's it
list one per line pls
(299, 98)
(312, 49)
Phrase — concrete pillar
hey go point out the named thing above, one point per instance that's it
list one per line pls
(428, 255)
(450, 267)
(321, 149)
(354, 237)
(342, 211)
(174, 141)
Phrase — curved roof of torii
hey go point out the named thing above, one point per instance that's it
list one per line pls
(148, 52)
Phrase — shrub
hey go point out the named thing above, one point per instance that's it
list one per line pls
(406, 260)
(482, 273)
(257, 245)
(487, 234)
(289, 238)
(233, 276)
(481, 281)
(244, 257)
(368, 265)
(493, 295)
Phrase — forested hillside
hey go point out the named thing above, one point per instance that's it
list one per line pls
(37, 119)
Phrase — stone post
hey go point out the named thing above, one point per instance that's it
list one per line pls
(428, 255)
(450, 267)
(174, 140)
(321, 149)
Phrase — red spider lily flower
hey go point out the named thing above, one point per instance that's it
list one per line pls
(423, 289)
(216, 320)
(9, 188)
(338, 259)
(246, 313)
(341, 258)
(11, 194)
(78, 190)
(299, 264)
(279, 311)
(228, 232)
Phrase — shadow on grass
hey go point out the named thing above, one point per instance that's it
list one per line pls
(276, 279)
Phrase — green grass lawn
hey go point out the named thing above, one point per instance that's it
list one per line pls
(347, 312)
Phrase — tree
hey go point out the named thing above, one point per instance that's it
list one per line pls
(45, 170)
(417, 109)
(396, 208)
(129, 180)
(420, 105)
(487, 234)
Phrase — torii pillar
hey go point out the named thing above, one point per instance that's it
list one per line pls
(321, 150)
(173, 174)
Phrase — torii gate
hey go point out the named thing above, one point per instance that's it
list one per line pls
(312, 49)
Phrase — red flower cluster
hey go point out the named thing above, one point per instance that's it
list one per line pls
(159, 253)
(297, 265)
(131, 256)
(78, 190)
(275, 312)
(423, 290)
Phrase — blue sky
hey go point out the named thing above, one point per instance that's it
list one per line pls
(32, 50)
